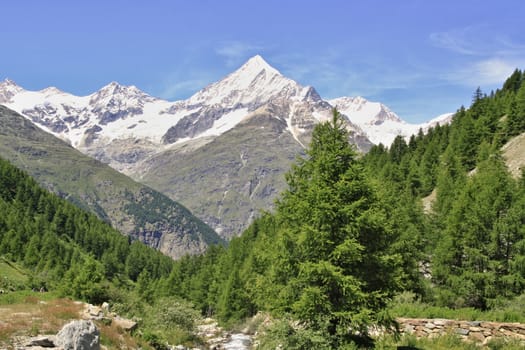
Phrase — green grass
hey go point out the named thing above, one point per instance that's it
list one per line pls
(12, 271)
(511, 310)
(26, 296)
(12, 277)
(445, 342)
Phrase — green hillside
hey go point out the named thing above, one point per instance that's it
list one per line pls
(132, 208)
(61, 245)
(12, 275)
(47, 242)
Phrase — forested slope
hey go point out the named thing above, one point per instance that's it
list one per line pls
(65, 247)
(474, 237)
(350, 232)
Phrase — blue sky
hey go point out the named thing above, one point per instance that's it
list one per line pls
(420, 57)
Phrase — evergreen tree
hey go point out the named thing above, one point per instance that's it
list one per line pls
(465, 262)
(335, 269)
(516, 117)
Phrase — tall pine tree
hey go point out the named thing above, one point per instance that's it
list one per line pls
(334, 270)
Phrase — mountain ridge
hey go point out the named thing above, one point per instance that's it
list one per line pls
(253, 84)
(145, 137)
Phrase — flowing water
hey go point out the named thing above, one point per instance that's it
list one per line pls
(238, 341)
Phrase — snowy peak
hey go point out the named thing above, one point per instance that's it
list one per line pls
(440, 119)
(115, 101)
(121, 92)
(254, 83)
(50, 91)
(8, 89)
(9, 84)
(364, 112)
(257, 64)
(379, 122)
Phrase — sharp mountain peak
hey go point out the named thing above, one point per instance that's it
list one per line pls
(257, 63)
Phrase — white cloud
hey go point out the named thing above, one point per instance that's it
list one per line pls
(486, 58)
(492, 71)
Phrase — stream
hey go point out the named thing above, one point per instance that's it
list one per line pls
(238, 341)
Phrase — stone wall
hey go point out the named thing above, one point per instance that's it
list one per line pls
(476, 331)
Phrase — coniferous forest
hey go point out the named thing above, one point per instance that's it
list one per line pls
(438, 217)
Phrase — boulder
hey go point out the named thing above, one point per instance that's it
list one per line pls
(79, 335)
(125, 324)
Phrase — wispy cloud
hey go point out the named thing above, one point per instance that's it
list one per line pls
(236, 51)
(484, 57)
(180, 90)
(342, 73)
(492, 71)
(457, 40)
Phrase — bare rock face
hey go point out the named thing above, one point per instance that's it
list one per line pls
(79, 335)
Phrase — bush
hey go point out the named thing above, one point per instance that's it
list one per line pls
(283, 335)
(170, 320)
(173, 313)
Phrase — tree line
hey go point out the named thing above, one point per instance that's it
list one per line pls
(65, 247)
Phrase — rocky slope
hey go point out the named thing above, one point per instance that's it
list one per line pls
(134, 209)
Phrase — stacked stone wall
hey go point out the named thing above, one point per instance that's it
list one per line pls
(476, 331)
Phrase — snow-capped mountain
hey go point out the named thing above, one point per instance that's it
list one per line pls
(122, 125)
(222, 105)
(380, 124)
(222, 152)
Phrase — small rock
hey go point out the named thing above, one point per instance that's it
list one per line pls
(462, 331)
(430, 325)
(476, 336)
(125, 324)
(42, 341)
(105, 307)
(95, 310)
(409, 329)
(440, 322)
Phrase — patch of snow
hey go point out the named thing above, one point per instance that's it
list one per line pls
(226, 122)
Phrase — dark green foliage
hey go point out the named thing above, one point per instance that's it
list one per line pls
(469, 260)
(335, 240)
(473, 235)
(68, 248)
(516, 115)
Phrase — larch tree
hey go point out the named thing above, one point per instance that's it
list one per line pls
(335, 268)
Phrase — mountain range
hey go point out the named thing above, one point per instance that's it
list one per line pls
(223, 151)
